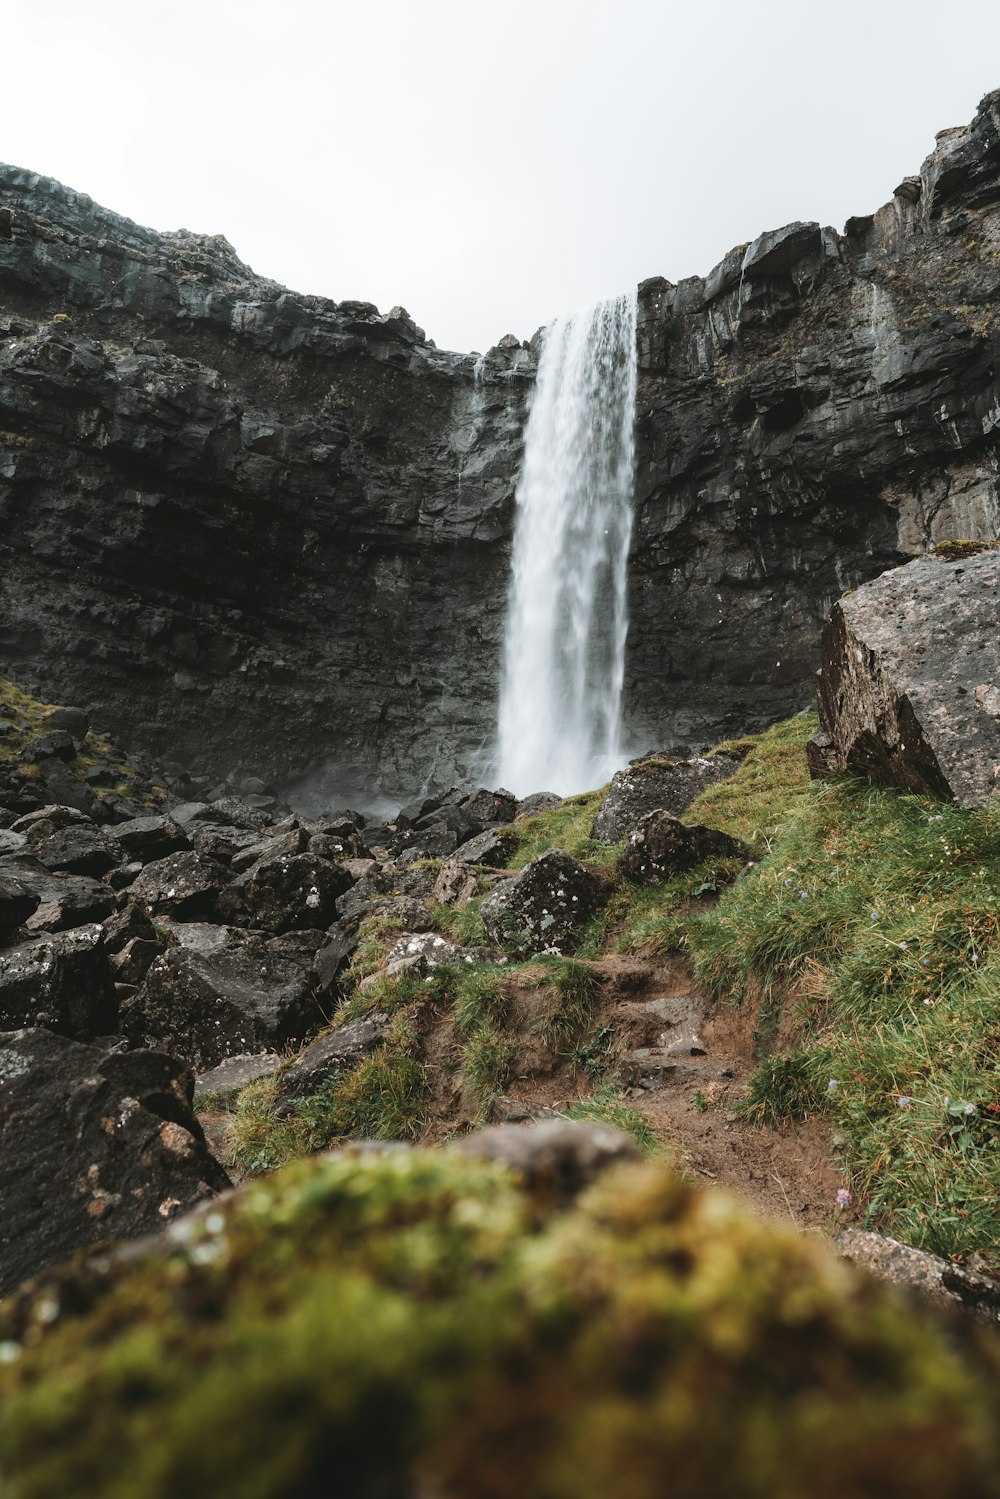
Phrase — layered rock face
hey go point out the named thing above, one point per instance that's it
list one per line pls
(818, 408)
(269, 534)
(256, 529)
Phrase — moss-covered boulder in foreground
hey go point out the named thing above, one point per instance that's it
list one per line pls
(418, 1323)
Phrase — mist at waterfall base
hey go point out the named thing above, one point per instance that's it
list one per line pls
(559, 720)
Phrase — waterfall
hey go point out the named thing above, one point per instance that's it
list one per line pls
(564, 655)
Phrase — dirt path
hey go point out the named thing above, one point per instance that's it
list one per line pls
(687, 1079)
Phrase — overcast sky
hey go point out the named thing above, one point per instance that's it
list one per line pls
(487, 163)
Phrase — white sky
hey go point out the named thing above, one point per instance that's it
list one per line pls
(487, 163)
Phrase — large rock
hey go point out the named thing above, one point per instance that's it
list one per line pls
(223, 992)
(283, 894)
(62, 981)
(64, 900)
(325, 1058)
(93, 1146)
(940, 1281)
(661, 846)
(541, 909)
(909, 690)
(149, 838)
(654, 784)
(184, 886)
(17, 902)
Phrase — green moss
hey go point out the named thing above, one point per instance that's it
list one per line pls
(957, 551)
(417, 1322)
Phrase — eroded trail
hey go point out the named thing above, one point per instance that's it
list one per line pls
(686, 1068)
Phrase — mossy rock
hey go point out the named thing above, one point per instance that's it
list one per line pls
(422, 1323)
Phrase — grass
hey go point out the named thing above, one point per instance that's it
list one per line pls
(567, 827)
(877, 914)
(608, 1106)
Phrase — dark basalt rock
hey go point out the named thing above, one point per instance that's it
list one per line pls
(185, 886)
(324, 1058)
(93, 1146)
(17, 902)
(661, 845)
(149, 838)
(654, 784)
(236, 1073)
(218, 483)
(64, 900)
(62, 981)
(492, 848)
(541, 909)
(910, 684)
(224, 992)
(80, 849)
(283, 894)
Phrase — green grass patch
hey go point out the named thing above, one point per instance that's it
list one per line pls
(882, 910)
(567, 827)
(609, 1106)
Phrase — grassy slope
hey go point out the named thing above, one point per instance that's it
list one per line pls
(868, 926)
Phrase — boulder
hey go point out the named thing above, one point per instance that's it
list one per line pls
(652, 784)
(64, 900)
(149, 838)
(185, 886)
(419, 952)
(93, 1146)
(79, 849)
(489, 807)
(131, 921)
(62, 981)
(49, 819)
(17, 901)
(283, 846)
(909, 689)
(538, 801)
(492, 848)
(662, 846)
(542, 908)
(283, 894)
(223, 991)
(942, 1282)
(338, 1051)
(456, 884)
(237, 1073)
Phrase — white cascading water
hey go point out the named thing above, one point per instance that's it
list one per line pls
(564, 657)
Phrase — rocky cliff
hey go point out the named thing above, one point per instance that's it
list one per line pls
(818, 408)
(268, 533)
(259, 530)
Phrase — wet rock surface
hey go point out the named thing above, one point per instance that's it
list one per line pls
(224, 992)
(909, 690)
(93, 1146)
(62, 981)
